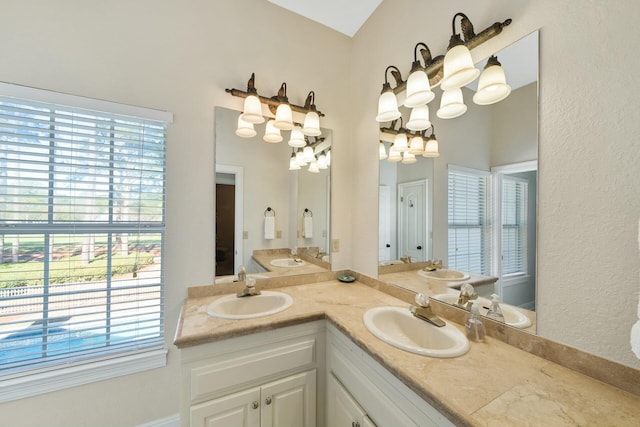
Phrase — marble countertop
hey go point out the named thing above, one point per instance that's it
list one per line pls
(493, 384)
(264, 258)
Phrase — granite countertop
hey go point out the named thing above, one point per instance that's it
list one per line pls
(264, 258)
(493, 384)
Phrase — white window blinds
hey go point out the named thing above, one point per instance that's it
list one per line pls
(82, 203)
(514, 225)
(469, 231)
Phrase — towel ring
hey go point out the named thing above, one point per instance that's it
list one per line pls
(307, 213)
(269, 212)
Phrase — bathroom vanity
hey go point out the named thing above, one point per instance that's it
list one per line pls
(316, 364)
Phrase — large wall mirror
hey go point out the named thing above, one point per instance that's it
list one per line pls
(473, 207)
(270, 220)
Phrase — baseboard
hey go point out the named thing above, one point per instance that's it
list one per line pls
(170, 421)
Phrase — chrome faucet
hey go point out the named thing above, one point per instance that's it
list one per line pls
(249, 288)
(423, 311)
(467, 295)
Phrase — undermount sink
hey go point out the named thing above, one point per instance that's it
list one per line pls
(512, 316)
(287, 262)
(444, 274)
(398, 327)
(391, 262)
(265, 304)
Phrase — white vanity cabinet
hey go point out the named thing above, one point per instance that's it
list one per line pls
(269, 379)
(361, 392)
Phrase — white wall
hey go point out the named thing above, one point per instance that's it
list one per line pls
(588, 150)
(177, 56)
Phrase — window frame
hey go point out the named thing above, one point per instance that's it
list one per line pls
(44, 379)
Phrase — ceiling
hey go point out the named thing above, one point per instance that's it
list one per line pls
(344, 16)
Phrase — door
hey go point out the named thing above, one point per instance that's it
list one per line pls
(290, 402)
(342, 409)
(225, 226)
(235, 410)
(412, 220)
(384, 224)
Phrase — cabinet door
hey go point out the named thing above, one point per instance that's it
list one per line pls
(235, 410)
(290, 402)
(342, 409)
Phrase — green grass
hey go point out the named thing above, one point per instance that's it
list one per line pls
(70, 269)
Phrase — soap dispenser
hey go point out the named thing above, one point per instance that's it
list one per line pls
(474, 327)
(495, 312)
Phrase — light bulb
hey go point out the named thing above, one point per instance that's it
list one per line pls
(284, 117)
(311, 126)
(271, 133)
(297, 138)
(451, 104)
(458, 68)
(252, 111)
(419, 119)
(382, 150)
(245, 129)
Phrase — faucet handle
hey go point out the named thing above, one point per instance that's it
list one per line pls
(422, 299)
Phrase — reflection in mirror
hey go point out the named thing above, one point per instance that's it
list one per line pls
(484, 190)
(260, 205)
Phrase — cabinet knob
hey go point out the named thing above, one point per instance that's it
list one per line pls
(419, 248)
(255, 404)
(268, 400)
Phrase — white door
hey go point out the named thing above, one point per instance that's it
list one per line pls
(342, 409)
(236, 410)
(412, 220)
(384, 223)
(290, 402)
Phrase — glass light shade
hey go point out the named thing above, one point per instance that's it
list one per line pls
(300, 158)
(329, 158)
(451, 104)
(387, 107)
(245, 129)
(417, 145)
(382, 150)
(293, 164)
(311, 126)
(400, 142)
(431, 149)
(418, 90)
(271, 133)
(492, 86)
(284, 117)
(322, 162)
(252, 111)
(308, 154)
(297, 138)
(313, 167)
(419, 119)
(408, 158)
(394, 155)
(458, 68)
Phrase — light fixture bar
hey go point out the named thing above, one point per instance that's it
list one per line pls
(272, 103)
(434, 68)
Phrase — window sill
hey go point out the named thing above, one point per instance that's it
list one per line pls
(41, 382)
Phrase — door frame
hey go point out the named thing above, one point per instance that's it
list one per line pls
(238, 173)
(400, 220)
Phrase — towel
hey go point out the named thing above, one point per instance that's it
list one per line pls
(635, 329)
(269, 227)
(307, 227)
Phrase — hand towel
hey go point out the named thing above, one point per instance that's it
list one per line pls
(269, 227)
(307, 227)
(635, 329)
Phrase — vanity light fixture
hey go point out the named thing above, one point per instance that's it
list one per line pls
(382, 151)
(400, 141)
(419, 119)
(313, 166)
(252, 111)
(322, 161)
(387, 102)
(451, 104)
(492, 86)
(300, 158)
(308, 155)
(284, 115)
(245, 129)
(293, 163)
(458, 65)
(431, 147)
(394, 155)
(297, 137)
(417, 145)
(408, 157)
(311, 126)
(272, 133)
(418, 86)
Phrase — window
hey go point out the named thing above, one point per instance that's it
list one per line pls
(82, 203)
(514, 225)
(469, 231)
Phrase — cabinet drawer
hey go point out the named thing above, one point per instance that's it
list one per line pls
(236, 369)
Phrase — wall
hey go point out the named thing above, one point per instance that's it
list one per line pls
(588, 206)
(177, 56)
